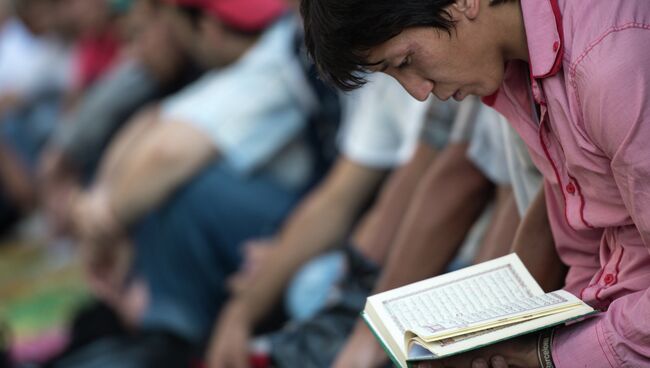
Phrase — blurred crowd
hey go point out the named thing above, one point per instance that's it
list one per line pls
(230, 209)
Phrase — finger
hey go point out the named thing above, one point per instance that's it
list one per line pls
(122, 265)
(251, 245)
(480, 363)
(228, 357)
(498, 361)
(242, 359)
(236, 283)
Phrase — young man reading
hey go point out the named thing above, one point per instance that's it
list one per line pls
(572, 77)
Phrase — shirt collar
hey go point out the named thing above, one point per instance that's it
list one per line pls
(545, 36)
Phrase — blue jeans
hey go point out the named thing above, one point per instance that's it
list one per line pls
(188, 248)
(26, 131)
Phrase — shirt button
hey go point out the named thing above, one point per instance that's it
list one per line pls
(570, 188)
(609, 279)
(556, 45)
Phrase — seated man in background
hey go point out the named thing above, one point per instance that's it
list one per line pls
(154, 67)
(34, 76)
(402, 214)
(423, 244)
(225, 155)
(380, 129)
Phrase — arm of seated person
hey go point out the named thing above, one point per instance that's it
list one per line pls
(322, 221)
(143, 174)
(449, 198)
(152, 167)
(535, 246)
(169, 155)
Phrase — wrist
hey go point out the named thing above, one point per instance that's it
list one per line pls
(361, 329)
(239, 310)
(102, 209)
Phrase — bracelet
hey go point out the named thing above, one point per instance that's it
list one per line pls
(544, 344)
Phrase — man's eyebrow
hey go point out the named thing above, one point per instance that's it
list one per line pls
(383, 64)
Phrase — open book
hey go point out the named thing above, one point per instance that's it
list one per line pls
(465, 310)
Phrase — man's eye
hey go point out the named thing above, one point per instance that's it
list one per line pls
(406, 62)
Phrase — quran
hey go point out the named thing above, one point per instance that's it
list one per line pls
(465, 310)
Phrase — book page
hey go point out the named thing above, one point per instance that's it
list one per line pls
(466, 299)
(495, 316)
(481, 286)
(476, 340)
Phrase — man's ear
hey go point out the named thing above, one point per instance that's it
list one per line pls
(469, 8)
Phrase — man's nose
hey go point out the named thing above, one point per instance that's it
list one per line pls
(419, 88)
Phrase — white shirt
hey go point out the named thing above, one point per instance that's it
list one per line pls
(255, 109)
(381, 123)
(30, 65)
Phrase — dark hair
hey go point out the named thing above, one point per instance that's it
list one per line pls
(340, 33)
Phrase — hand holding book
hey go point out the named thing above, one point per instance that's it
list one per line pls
(480, 312)
(518, 352)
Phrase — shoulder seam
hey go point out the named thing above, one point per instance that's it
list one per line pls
(599, 39)
(574, 65)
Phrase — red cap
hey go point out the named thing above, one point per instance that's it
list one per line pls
(243, 15)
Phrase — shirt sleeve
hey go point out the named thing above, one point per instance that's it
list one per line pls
(247, 123)
(613, 89)
(103, 110)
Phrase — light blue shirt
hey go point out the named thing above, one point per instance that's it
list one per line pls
(30, 65)
(255, 109)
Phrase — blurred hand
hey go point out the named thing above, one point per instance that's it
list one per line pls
(361, 350)
(519, 352)
(106, 269)
(93, 219)
(256, 252)
(229, 345)
(105, 248)
(9, 102)
(59, 186)
(155, 47)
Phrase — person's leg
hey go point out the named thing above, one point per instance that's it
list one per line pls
(187, 249)
(23, 134)
(119, 148)
(15, 182)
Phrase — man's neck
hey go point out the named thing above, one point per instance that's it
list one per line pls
(513, 41)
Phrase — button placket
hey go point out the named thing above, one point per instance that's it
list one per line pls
(571, 188)
(554, 155)
(556, 46)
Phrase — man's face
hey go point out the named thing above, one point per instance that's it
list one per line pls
(198, 36)
(184, 28)
(425, 60)
(88, 16)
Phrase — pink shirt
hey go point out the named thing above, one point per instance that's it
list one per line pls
(590, 72)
